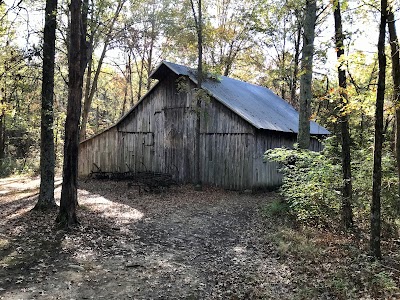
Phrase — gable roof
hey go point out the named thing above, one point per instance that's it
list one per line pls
(256, 104)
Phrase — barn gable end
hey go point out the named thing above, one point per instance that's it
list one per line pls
(158, 135)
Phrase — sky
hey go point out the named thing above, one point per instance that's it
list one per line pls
(366, 40)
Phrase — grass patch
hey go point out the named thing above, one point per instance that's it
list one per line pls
(292, 243)
(276, 208)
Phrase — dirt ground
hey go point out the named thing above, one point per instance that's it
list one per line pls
(178, 244)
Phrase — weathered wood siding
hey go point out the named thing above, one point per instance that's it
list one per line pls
(158, 135)
(265, 173)
(101, 150)
(226, 147)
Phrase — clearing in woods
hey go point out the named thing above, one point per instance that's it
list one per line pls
(180, 244)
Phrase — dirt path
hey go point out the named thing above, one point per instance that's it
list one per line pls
(180, 244)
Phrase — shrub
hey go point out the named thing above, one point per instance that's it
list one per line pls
(311, 184)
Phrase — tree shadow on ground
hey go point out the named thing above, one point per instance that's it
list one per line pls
(180, 244)
(30, 248)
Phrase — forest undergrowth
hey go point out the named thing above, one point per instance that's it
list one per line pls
(329, 263)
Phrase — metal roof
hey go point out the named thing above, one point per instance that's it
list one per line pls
(256, 104)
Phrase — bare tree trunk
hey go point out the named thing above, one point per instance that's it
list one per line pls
(89, 98)
(394, 47)
(47, 151)
(283, 63)
(296, 59)
(2, 127)
(67, 216)
(88, 84)
(125, 96)
(197, 160)
(375, 239)
(130, 78)
(141, 75)
(310, 16)
(152, 38)
(347, 213)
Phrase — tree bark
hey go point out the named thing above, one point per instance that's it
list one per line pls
(2, 126)
(375, 238)
(394, 47)
(89, 96)
(293, 98)
(151, 50)
(67, 216)
(303, 137)
(47, 151)
(199, 27)
(347, 213)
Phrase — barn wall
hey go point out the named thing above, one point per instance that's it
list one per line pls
(101, 150)
(265, 173)
(226, 147)
(158, 135)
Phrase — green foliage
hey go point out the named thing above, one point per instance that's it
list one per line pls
(15, 166)
(311, 184)
(362, 172)
(276, 208)
(183, 85)
(107, 101)
(383, 281)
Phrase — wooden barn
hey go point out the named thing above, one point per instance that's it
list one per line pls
(238, 124)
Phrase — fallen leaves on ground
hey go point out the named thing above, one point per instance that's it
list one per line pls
(178, 244)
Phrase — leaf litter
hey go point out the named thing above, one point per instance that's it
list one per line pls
(178, 244)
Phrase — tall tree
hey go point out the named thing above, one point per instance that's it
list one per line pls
(229, 32)
(347, 213)
(76, 65)
(199, 30)
(91, 86)
(394, 47)
(375, 238)
(310, 16)
(296, 59)
(47, 155)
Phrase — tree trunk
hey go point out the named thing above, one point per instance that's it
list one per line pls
(67, 216)
(141, 75)
(151, 50)
(88, 85)
(394, 47)
(283, 63)
(199, 28)
(2, 128)
(293, 89)
(375, 239)
(125, 97)
(310, 17)
(130, 78)
(347, 213)
(47, 151)
(89, 97)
